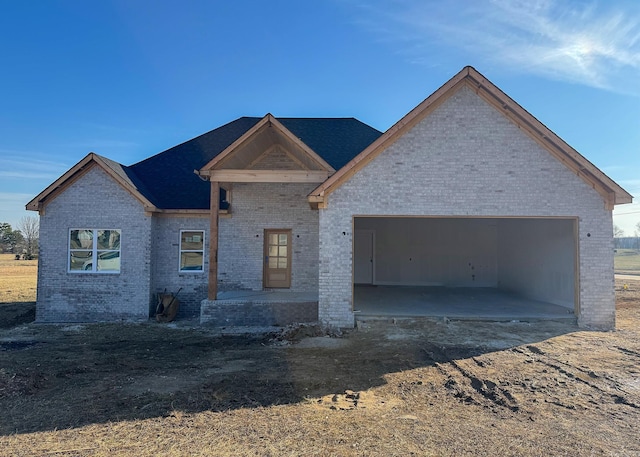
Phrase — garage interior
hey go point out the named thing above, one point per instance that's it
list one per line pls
(465, 267)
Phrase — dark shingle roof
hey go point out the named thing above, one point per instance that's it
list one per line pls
(336, 140)
(168, 181)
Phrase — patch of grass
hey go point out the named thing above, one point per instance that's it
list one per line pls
(18, 279)
(627, 260)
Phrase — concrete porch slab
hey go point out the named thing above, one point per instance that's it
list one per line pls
(279, 295)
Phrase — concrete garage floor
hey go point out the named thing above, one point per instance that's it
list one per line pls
(464, 302)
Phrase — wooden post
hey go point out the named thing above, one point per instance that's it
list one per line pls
(213, 241)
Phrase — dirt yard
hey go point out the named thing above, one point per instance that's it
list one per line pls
(406, 388)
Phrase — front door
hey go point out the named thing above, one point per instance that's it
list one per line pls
(277, 258)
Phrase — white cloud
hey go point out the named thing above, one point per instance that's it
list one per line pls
(595, 44)
(24, 166)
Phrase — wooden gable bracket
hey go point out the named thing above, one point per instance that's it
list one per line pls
(273, 147)
(214, 171)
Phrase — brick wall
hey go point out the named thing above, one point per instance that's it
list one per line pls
(235, 313)
(94, 201)
(255, 207)
(166, 258)
(466, 159)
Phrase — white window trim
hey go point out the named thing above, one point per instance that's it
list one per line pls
(94, 253)
(180, 251)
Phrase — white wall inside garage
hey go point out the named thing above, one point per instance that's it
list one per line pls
(537, 258)
(534, 258)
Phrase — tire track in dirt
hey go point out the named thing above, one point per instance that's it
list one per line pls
(488, 389)
(628, 351)
(473, 380)
(580, 375)
(467, 378)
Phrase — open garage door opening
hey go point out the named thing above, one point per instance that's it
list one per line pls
(502, 268)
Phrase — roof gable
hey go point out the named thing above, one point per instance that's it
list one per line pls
(250, 148)
(611, 192)
(121, 174)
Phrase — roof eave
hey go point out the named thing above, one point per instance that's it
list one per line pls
(79, 169)
(612, 193)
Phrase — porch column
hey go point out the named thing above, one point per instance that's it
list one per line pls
(213, 241)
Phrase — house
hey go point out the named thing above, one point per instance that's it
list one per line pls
(272, 220)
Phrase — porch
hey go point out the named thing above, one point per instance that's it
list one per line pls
(259, 308)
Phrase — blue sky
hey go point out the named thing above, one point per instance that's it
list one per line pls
(127, 79)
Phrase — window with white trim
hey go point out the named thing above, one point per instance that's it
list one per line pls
(191, 251)
(94, 251)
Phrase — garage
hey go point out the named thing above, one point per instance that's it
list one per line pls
(467, 206)
(508, 268)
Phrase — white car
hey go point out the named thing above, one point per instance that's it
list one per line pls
(107, 261)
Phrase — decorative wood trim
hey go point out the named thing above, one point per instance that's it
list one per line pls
(269, 150)
(302, 176)
(267, 121)
(296, 160)
(576, 267)
(212, 289)
(202, 213)
(219, 160)
(261, 156)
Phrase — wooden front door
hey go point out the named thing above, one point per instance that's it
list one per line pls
(277, 258)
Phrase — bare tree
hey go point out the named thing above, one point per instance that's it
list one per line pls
(617, 234)
(30, 228)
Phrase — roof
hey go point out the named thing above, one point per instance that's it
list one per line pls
(167, 180)
(172, 183)
(121, 174)
(611, 192)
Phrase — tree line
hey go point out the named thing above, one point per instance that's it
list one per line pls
(23, 241)
(620, 240)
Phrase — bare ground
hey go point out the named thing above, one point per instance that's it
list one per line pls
(406, 388)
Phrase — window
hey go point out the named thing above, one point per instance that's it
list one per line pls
(192, 250)
(94, 251)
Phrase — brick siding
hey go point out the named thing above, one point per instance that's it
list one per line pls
(94, 201)
(466, 159)
(255, 207)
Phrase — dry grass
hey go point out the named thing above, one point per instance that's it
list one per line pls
(17, 279)
(627, 261)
